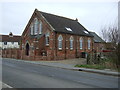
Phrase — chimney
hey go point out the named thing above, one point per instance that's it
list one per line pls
(36, 9)
(76, 19)
(10, 34)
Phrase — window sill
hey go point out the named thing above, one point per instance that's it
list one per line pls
(47, 44)
(60, 49)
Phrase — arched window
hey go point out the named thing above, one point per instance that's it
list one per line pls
(47, 38)
(81, 43)
(89, 41)
(40, 27)
(71, 42)
(31, 29)
(60, 38)
(36, 26)
(27, 49)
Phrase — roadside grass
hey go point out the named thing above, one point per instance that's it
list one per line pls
(104, 63)
(95, 66)
(99, 66)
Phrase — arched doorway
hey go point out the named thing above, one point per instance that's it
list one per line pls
(27, 49)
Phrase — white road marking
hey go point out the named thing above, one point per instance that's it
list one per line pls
(6, 85)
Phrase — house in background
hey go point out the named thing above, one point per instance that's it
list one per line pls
(109, 47)
(99, 43)
(54, 37)
(9, 41)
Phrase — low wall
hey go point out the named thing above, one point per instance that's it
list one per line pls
(11, 53)
(17, 54)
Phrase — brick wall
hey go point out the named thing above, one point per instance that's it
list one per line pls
(99, 46)
(11, 53)
(37, 44)
(66, 52)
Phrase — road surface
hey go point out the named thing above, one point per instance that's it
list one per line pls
(19, 74)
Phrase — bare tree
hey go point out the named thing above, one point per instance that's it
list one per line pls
(112, 35)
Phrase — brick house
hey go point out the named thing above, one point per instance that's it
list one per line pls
(10, 46)
(52, 37)
(99, 43)
(10, 41)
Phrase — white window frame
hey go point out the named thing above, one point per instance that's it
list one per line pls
(89, 43)
(71, 43)
(46, 38)
(60, 38)
(36, 26)
(40, 27)
(31, 29)
(81, 43)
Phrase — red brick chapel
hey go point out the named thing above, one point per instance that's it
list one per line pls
(52, 37)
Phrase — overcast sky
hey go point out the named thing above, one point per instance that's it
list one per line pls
(92, 14)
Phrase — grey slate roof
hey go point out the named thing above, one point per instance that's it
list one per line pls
(59, 23)
(96, 38)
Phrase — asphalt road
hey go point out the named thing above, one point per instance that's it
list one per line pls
(19, 74)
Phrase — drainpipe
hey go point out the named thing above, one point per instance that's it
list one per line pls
(85, 46)
(76, 47)
(65, 46)
(55, 44)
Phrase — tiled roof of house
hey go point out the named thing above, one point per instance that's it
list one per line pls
(7, 38)
(65, 25)
(96, 38)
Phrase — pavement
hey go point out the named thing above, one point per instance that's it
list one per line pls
(69, 64)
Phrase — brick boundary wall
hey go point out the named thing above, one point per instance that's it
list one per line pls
(11, 53)
(17, 54)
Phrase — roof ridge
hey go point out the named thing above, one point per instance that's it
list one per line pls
(58, 22)
(57, 15)
(8, 35)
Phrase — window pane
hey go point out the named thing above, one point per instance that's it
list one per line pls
(89, 44)
(31, 29)
(36, 26)
(5, 43)
(40, 28)
(60, 42)
(81, 42)
(71, 44)
(47, 40)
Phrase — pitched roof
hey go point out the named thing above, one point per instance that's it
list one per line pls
(7, 38)
(96, 38)
(62, 24)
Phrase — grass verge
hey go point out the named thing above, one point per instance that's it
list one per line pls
(92, 66)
